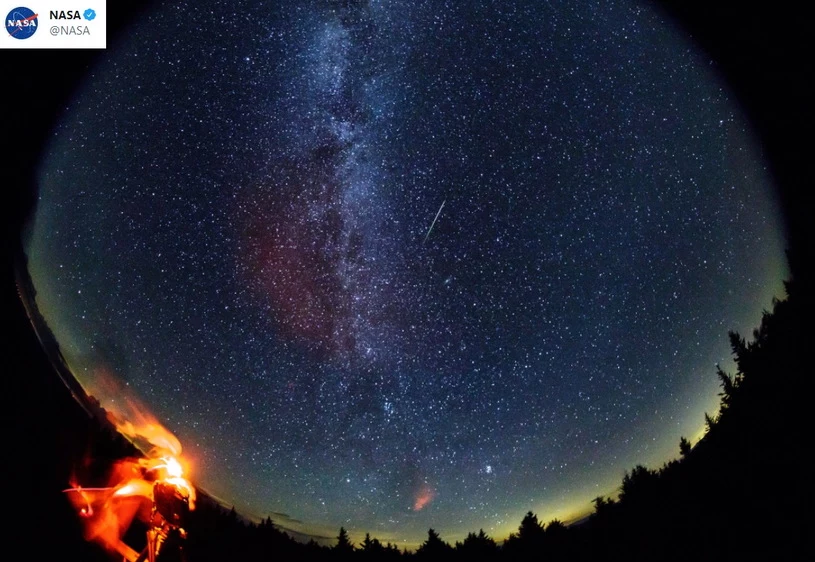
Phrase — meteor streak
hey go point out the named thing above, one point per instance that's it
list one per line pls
(432, 224)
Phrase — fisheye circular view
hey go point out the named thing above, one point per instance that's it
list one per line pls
(399, 266)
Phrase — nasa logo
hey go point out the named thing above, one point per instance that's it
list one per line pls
(65, 15)
(21, 23)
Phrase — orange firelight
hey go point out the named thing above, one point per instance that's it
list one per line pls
(152, 488)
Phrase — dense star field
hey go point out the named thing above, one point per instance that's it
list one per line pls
(399, 265)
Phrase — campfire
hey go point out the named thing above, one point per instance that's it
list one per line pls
(152, 489)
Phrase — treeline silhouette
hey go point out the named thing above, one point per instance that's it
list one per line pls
(738, 494)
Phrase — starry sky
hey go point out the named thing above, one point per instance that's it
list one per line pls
(400, 265)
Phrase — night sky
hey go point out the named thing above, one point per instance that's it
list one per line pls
(394, 265)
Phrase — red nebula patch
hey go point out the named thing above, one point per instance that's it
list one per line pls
(290, 255)
(424, 496)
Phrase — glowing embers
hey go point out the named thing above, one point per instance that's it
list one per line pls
(151, 489)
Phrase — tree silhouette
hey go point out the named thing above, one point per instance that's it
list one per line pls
(728, 387)
(433, 548)
(527, 543)
(555, 526)
(710, 423)
(638, 484)
(530, 529)
(371, 549)
(477, 547)
(343, 548)
(556, 539)
(684, 447)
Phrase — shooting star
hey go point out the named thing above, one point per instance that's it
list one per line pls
(432, 224)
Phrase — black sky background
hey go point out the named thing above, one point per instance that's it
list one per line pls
(759, 51)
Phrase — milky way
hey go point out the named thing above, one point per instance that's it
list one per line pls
(405, 265)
